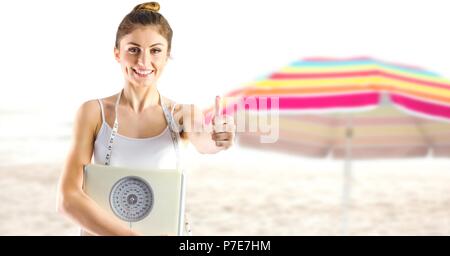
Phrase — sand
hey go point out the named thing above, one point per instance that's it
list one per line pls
(263, 194)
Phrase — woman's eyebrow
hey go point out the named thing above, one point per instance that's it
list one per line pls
(133, 44)
(150, 45)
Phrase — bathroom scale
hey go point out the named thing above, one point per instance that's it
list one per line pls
(150, 201)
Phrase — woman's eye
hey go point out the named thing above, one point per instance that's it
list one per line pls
(133, 50)
(154, 51)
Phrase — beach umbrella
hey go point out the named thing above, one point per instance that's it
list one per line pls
(352, 108)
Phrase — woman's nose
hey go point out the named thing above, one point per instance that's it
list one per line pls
(145, 58)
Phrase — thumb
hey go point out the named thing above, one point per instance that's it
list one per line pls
(217, 106)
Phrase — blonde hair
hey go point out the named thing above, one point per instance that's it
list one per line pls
(145, 14)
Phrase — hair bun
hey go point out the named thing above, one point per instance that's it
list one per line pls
(149, 6)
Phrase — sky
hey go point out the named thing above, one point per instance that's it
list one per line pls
(56, 54)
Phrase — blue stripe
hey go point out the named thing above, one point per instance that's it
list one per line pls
(337, 63)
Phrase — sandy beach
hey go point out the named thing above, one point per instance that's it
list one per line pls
(264, 194)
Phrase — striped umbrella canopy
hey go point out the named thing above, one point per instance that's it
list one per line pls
(355, 108)
(386, 109)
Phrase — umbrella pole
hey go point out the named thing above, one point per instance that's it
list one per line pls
(347, 175)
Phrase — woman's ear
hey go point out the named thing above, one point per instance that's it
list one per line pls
(117, 54)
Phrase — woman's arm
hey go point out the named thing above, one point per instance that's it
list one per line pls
(72, 201)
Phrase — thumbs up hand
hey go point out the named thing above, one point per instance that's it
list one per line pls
(223, 131)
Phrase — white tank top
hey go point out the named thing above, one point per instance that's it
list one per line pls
(153, 152)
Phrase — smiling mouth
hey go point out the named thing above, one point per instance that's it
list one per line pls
(142, 73)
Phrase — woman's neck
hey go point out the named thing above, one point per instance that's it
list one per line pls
(140, 98)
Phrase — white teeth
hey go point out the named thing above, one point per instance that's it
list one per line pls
(141, 72)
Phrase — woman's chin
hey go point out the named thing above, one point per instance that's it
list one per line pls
(142, 83)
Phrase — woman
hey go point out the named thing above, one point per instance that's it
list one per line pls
(143, 139)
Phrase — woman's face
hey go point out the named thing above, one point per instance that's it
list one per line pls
(142, 55)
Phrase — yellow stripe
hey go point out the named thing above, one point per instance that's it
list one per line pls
(363, 82)
(318, 70)
(401, 130)
(414, 87)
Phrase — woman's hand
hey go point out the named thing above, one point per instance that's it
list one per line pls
(207, 138)
(223, 128)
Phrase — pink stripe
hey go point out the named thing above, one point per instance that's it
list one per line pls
(427, 108)
(312, 102)
(351, 100)
(298, 103)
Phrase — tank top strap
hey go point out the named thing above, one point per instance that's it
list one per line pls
(173, 108)
(174, 127)
(102, 110)
(113, 132)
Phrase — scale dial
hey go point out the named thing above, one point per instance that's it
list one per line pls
(131, 199)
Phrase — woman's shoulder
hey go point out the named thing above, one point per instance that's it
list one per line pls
(89, 113)
(89, 108)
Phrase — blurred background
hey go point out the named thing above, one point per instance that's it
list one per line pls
(56, 55)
